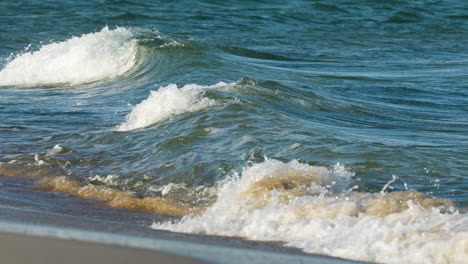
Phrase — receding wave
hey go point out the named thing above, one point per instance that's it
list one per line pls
(88, 58)
(313, 208)
(167, 102)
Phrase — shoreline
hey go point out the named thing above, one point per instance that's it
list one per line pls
(69, 243)
(76, 221)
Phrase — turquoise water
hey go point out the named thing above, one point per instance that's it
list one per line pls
(171, 99)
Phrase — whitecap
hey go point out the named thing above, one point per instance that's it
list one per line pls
(88, 58)
(167, 102)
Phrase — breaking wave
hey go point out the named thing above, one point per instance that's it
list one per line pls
(88, 58)
(313, 208)
(167, 102)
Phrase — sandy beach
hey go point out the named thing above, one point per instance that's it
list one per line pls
(21, 249)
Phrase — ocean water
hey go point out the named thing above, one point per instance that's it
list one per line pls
(337, 127)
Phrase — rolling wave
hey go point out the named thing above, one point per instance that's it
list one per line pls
(79, 60)
(167, 102)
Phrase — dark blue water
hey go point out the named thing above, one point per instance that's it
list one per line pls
(379, 87)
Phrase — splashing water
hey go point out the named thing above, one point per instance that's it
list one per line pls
(308, 207)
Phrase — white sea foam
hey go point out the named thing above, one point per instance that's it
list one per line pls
(309, 207)
(109, 180)
(84, 59)
(57, 149)
(166, 102)
(38, 160)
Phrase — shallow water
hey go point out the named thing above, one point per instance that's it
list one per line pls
(298, 122)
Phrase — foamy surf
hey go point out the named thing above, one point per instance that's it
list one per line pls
(313, 208)
(167, 102)
(88, 58)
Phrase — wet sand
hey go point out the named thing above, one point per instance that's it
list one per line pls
(22, 249)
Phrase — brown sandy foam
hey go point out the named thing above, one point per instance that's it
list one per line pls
(117, 198)
(21, 249)
(113, 198)
(290, 185)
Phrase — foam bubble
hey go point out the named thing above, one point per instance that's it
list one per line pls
(88, 58)
(309, 207)
(166, 102)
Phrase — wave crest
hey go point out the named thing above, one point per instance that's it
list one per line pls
(166, 102)
(88, 58)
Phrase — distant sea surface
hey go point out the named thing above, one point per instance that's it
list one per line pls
(337, 127)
